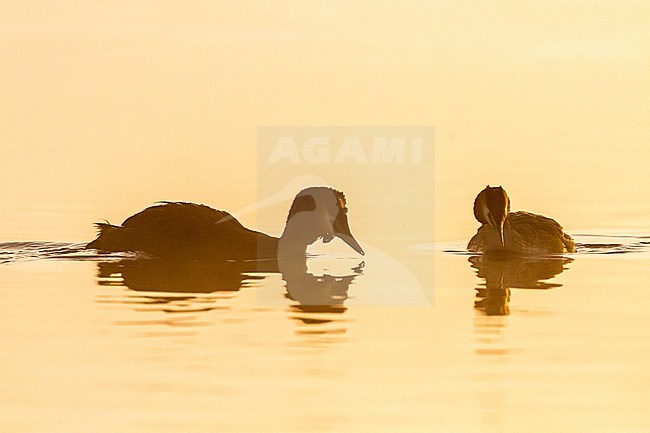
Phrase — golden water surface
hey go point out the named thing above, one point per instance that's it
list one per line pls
(107, 107)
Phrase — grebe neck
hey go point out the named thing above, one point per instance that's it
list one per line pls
(298, 234)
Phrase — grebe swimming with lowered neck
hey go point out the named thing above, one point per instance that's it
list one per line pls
(518, 232)
(181, 230)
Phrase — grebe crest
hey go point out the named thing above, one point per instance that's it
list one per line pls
(492, 207)
(317, 212)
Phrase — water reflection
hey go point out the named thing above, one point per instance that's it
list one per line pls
(182, 291)
(317, 291)
(173, 276)
(501, 273)
(319, 304)
(197, 287)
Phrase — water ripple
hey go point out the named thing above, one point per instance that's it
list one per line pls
(585, 244)
(611, 244)
(11, 252)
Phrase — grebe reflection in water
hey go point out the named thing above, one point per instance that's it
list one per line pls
(518, 232)
(187, 230)
(500, 274)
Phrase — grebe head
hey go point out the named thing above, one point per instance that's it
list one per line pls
(491, 207)
(318, 212)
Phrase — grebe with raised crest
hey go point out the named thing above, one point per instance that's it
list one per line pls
(187, 230)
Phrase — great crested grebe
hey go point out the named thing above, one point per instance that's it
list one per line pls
(519, 232)
(189, 230)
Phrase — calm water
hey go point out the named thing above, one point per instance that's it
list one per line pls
(108, 107)
(113, 344)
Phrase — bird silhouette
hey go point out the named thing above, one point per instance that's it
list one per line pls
(516, 232)
(180, 230)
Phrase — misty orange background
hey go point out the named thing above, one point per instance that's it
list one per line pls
(107, 107)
